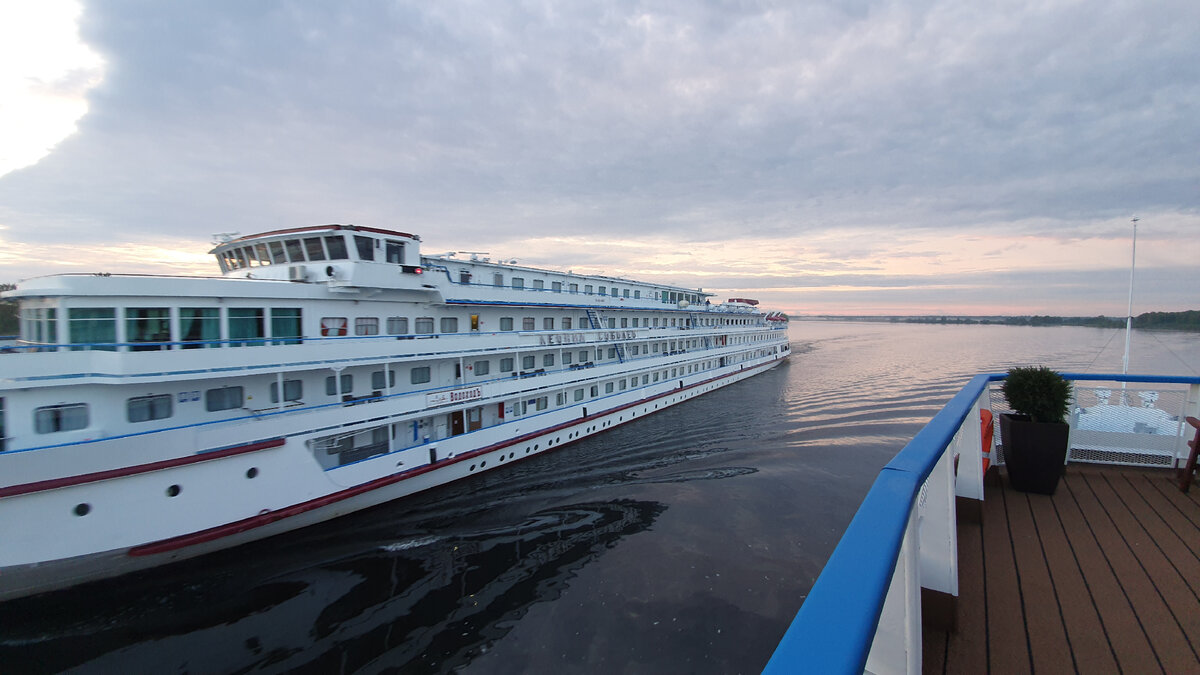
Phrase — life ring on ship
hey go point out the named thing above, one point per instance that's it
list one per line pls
(985, 432)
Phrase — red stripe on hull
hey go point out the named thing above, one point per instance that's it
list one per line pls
(55, 483)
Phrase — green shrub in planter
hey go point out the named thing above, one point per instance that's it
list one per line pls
(1036, 437)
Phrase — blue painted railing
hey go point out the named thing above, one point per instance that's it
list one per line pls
(834, 629)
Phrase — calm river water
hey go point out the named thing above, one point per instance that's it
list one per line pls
(680, 542)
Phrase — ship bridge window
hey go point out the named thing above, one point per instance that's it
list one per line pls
(260, 252)
(312, 246)
(52, 418)
(294, 250)
(366, 325)
(293, 390)
(93, 328)
(365, 246)
(147, 408)
(336, 246)
(246, 326)
(223, 398)
(148, 324)
(199, 324)
(277, 254)
(395, 252)
(285, 325)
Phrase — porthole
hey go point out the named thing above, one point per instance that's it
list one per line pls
(472, 467)
(513, 454)
(482, 464)
(535, 447)
(501, 458)
(174, 491)
(527, 451)
(83, 509)
(252, 472)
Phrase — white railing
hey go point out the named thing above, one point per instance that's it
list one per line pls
(864, 612)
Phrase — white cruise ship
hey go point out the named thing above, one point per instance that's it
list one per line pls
(146, 419)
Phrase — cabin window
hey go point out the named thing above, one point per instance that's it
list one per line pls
(474, 322)
(621, 384)
(637, 294)
(52, 418)
(578, 394)
(583, 356)
(602, 291)
(379, 382)
(39, 325)
(200, 325)
(145, 408)
(528, 363)
(518, 282)
(566, 323)
(556, 286)
(587, 289)
(366, 325)
(223, 398)
(538, 284)
(424, 325)
(246, 326)
(624, 322)
(527, 323)
(608, 387)
(312, 246)
(397, 325)
(612, 352)
(93, 328)
(574, 288)
(612, 322)
(625, 293)
(293, 390)
(635, 350)
(331, 385)
(506, 323)
(566, 358)
(419, 375)
(336, 245)
(584, 322)
(285, 325)
(395, 252)
(365, 246)
(548, 360)
(482, 367)
(277, 254)
(333, 326)
(464, 277)
(543, 402)
(145, 324)
(560, 399)
(449, 324)
(294, 250)
(506, 365)
(497, 279)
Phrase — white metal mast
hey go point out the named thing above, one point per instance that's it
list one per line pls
(1129, 312)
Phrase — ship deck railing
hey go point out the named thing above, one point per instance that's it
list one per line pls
(901, 593)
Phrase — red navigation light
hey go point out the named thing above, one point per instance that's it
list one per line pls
(419, 270)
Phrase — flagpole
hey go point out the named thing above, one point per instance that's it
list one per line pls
(1129, 312)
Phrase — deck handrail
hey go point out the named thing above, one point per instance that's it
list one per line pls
(835, 627)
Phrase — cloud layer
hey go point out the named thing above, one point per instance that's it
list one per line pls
(862, 145)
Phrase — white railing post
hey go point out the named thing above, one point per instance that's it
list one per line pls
(937, 524)
(970, 454)
(897, 644)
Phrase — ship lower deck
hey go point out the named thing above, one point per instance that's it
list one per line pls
(1102, 577)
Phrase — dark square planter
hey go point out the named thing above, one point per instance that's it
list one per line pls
(1034, 452)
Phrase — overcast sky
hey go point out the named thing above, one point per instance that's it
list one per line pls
(825, 157)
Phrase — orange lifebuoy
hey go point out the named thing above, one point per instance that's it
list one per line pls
(985, 430)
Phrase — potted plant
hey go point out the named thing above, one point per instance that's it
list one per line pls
(1036, 436)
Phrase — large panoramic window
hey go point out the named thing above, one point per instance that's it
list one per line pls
(146, 324)
(199, 325)
(285, 325)
(246, 326)
(93, 328)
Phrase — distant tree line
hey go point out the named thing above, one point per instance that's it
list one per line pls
(1187, 320)
(8, 313)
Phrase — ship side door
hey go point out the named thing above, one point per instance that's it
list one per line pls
(457, 425)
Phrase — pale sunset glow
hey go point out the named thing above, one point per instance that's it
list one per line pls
(825, 159)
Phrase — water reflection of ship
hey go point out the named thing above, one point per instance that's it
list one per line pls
(386, 608)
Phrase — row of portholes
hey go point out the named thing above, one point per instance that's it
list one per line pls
(82, 509)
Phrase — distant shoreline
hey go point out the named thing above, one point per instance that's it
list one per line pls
(1185, 321)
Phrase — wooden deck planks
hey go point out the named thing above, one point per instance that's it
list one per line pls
(1103, 577)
